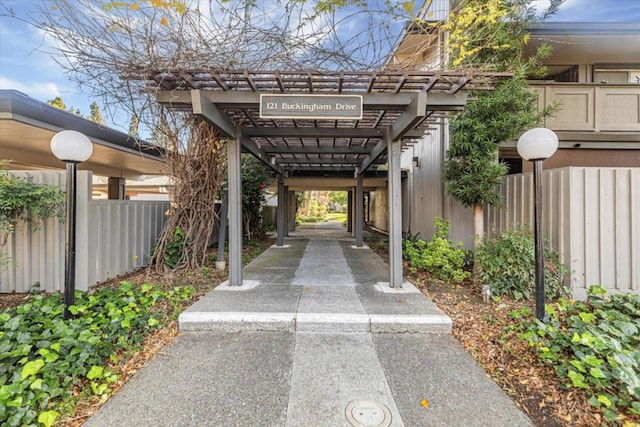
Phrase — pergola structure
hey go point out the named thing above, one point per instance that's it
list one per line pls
(396, 109)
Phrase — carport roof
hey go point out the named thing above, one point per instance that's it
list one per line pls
(27, 125)
(397, 106)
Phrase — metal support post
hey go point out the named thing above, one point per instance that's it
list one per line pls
(70, 231)
(349, 211)
(394, 151)
(354, 209)
(235, 210)
(222, 232)
(359, 211)
(292, 209)
(539, 243)
(281, 211)
(286, 210)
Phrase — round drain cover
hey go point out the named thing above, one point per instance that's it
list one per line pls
(368, 413)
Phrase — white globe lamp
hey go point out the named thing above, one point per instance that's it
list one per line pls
(537, 145)
(71, 147)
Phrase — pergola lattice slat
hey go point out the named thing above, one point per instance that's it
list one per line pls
(408, 103)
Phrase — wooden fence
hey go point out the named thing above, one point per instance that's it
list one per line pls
(591, 216)
(114, 237)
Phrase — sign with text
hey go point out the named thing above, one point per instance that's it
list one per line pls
(314, 107)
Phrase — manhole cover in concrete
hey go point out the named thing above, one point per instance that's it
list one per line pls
(368, 413)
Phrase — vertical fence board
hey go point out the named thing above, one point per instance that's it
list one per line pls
(578, 233)
(622, 229)
(634, 214)
(607, 207)
(592, 227)
(144, 238)
(95, 242)
(83, 225)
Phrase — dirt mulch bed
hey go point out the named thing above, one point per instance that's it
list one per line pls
(484, 331)
(13, 300)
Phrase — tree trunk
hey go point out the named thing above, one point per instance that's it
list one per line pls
(478, 225)
(478, 234)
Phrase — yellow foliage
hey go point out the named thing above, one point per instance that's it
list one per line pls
(471, 29)
(178, 6)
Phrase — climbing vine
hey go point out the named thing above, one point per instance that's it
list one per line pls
(24, 200)
(196, 163)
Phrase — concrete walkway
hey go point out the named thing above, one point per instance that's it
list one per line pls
(314, 337)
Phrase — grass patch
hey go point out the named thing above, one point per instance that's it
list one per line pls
(337, 216)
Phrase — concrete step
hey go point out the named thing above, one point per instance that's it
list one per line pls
(314, 322)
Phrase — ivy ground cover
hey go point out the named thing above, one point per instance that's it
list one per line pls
(594, 346)
(47, 363)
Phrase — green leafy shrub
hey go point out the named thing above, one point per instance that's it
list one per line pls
(594, 346)
(175, 249)
(43, 357)
(507, 264)
(440, 257)
(255, 178)
(22, 199)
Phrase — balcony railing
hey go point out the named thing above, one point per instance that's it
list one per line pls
(589, 107)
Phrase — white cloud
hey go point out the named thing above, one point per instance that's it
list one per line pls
(36, 90)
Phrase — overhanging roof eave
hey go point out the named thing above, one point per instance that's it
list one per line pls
(18, 106)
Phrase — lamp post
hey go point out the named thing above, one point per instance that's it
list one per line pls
(72, 148)
(536, 145)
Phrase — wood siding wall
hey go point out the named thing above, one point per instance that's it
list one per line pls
(425, 198)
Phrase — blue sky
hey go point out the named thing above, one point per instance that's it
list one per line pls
(26, 65)
(597, 11)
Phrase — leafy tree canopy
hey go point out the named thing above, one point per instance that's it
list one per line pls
(95, 116)
(471, 168)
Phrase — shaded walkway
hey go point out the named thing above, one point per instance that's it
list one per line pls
(332, 230)
(313, 338)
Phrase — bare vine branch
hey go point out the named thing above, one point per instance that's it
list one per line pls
(196, 164)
